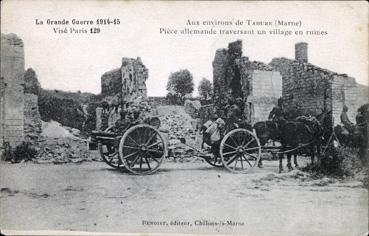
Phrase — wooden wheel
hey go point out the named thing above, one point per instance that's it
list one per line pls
(240, 150)
(214, 161)
(142, 149)
(110, 155)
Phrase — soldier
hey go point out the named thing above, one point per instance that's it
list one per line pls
(240, 103)
(361, 132)
(345, 120)
(215, 135)
(277, 113)
(123, 123)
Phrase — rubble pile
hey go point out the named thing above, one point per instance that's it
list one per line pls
(179, 127)
(59, 145)
(63, 150)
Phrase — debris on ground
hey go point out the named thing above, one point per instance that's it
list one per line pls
(53, 129)
(180, 129)
(59, 144)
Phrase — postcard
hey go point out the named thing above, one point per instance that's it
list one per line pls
(184, 118)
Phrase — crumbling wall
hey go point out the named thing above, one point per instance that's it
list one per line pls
(134, 76)
(12, 96)
(235, 76)
(32, 118)
(229, 74)
(220, 82)
(111, 83)
(122, 86)
(126, 83)
(311, 89)
(305, 87)
(266, 89)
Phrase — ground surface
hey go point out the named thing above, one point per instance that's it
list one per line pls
(93, 197)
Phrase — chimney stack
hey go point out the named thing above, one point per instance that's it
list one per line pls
(301, 52)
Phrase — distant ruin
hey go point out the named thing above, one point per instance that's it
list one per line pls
(126, 83)
(120, 87)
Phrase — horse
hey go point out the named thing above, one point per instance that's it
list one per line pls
(293, 135)
(269, 130)
(303, 132)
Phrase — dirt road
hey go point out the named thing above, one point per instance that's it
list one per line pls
(93, 197)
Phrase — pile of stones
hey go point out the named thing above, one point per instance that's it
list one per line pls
(181, 135)
(63, 150)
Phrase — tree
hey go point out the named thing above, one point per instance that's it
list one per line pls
(180, 83)
(205, 89)
(31, 84)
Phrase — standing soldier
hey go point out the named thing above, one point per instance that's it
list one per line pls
(277, 113)
(346, 121)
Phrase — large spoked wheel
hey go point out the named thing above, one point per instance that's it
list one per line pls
(214, 161)
(240, 150)
(142, 149)
(110, 155)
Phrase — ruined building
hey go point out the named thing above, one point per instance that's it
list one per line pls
(120, 87)
(12, 95)
(312, 89)
(19, 117)
(255, 82)
(305, 88)
(127, 82)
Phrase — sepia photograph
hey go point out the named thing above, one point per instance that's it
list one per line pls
(184, 118)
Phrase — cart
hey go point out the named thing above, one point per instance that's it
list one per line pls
(142, 148)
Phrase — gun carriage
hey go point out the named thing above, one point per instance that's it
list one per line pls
(141, 148)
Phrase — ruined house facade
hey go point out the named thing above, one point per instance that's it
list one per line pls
(120, 87)
(127, 82)
(256, 83)
(304, 87)
(311, 89)
(12, 94)
(19, 116)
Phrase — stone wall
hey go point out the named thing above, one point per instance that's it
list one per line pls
(311, 89)
(134, 76)
(255, 82)
(126, 83)
(230, 74)
(119, 87)
(111, 83)
(266, 89)
(32, 118)
(305, 87)
(12, 96)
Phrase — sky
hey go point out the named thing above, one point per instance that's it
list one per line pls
(75, 62)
